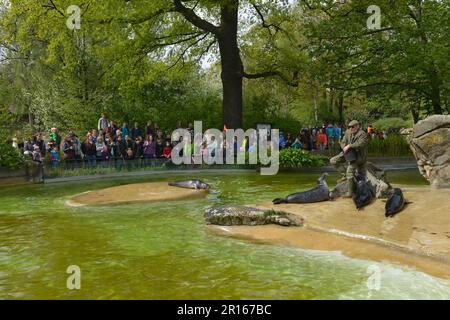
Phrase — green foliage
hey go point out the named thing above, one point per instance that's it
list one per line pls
(363, 116)
(179, 96)
(393, 145)
(380, 106)
(388, 124)
(326, 113)
(10, 157)
(295, 158)
(139, 61)
(407, 57)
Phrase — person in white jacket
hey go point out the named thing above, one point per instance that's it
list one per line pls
(103, 123)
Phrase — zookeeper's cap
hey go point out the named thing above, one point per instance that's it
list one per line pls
(353, 123)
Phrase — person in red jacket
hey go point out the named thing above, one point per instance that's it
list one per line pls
(322, 140)
(167, 150)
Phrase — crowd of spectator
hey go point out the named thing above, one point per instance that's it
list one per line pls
(106, 143)
(326, 137)
(314, 138)
(121, 145)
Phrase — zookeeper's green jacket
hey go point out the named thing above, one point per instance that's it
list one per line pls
(357, 142)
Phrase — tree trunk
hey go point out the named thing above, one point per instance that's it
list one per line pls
(415, 107)
(232, 67)
(340, 106)
(316, 112)
(435, 93)
(30, 119)
(435, 81)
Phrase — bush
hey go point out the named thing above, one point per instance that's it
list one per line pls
(295, 158)
(380, 106)
(10, 157)
(394, 145)
(387, 124)
(363, 116)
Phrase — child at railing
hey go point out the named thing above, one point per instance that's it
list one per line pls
(37, 156)
(159, 148)
(105, 155)
(167, 152)
(54, 157)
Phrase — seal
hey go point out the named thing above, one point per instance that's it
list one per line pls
(318, 194)
(363, 193)
(190, 184)
(395, 203)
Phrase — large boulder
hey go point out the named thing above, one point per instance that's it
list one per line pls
(243, 215)
(430, 143)
(376, 178)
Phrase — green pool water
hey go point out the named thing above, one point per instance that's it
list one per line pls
(164, 250)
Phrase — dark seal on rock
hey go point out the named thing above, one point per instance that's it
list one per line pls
(395, 203)
(318, 194)
(190, 184)
(363, 194)
(243, 215)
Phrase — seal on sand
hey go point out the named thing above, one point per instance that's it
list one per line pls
(363, 194)
(318, 194)
(395, 203)
(190, 184)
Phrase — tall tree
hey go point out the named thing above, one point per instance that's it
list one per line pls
(226, 33)
(190, 28)
(408, 52)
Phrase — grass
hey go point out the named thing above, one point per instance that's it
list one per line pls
(394, 145)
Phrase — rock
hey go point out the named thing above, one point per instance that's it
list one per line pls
(244, 215)
(406, 131)
(430, 143)
(376, 178)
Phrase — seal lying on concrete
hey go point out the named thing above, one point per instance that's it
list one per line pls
(395, 203)
(190, 184)
(318, 194)
(363, 194)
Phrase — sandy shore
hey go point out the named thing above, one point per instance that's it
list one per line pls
(132, 193)
(418, 237)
